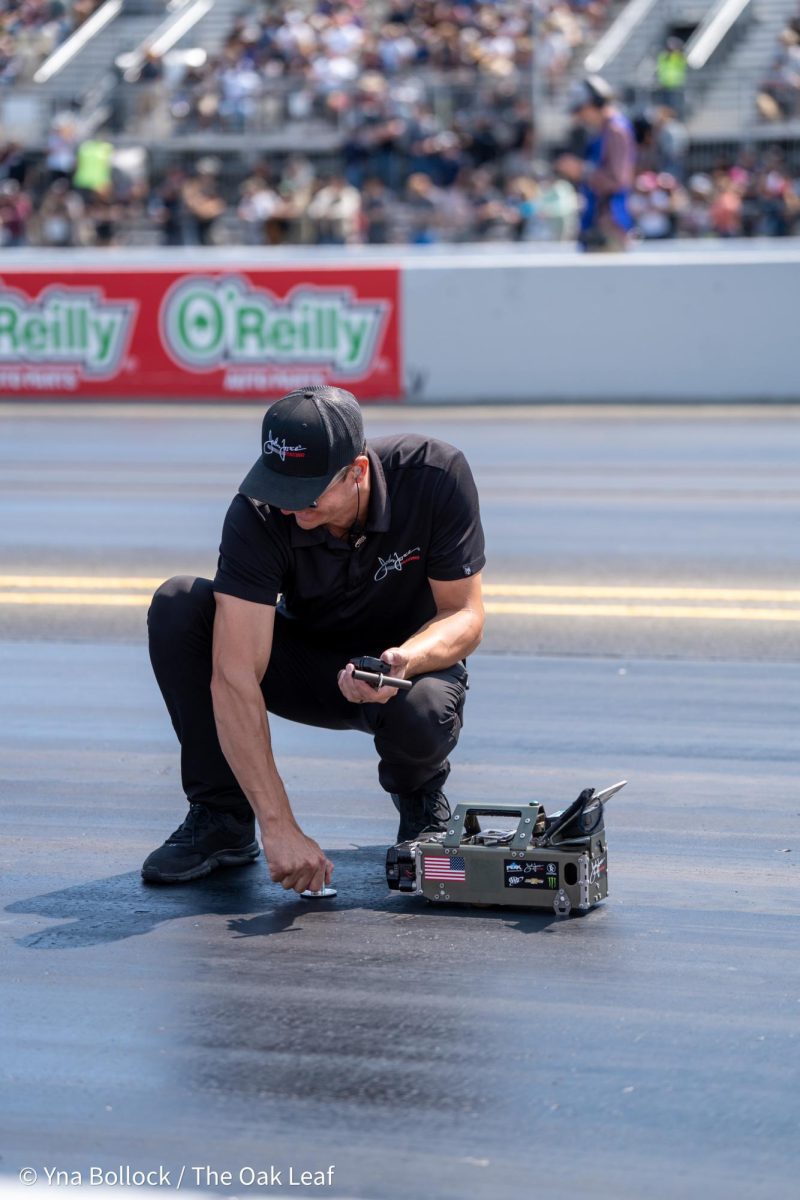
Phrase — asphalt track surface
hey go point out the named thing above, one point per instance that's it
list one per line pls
(644, 623)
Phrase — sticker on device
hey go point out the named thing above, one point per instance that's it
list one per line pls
(523, 875)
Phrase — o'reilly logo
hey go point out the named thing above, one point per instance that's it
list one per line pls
(210, 323)
(66, 326)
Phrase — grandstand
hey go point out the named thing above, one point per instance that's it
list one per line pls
(730, 45)
(386, 120)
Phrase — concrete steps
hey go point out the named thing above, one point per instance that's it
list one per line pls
(727, 104)
(633, 65)
(127, 32)
(96, 58)
(211, 31)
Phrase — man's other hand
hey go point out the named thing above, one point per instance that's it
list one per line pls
(295, 861)
(358, 692)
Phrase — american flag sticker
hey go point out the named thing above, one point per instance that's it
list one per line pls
(437, 866)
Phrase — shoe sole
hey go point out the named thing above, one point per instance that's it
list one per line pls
(222, 858)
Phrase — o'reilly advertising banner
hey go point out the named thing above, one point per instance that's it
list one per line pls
(154, 334)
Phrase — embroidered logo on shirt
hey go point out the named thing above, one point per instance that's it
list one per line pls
(396, 562)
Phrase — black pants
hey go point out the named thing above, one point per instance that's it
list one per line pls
(414, 732)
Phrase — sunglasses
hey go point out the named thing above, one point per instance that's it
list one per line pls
(339, 477)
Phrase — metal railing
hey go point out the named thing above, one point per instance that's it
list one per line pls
(712, 31)
(153, 110)
(64, 53)
(183, 16)
(617, 35)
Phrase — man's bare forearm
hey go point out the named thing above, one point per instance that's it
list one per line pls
(243, 731)
(445, 639)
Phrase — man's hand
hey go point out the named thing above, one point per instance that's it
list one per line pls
(295, 861)
(358, 692)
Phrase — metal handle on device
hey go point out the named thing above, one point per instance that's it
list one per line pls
(528, 816)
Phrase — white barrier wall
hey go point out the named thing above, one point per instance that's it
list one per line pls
(682, 326)
(428, 324)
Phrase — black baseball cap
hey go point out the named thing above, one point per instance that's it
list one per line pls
(593, 90)
(306, 438)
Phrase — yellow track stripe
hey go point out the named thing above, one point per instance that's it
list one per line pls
(668, 612)
(112, 599)
(80, 581)
(663, 612)
(634, 592)
(534, 600)
(533, 590)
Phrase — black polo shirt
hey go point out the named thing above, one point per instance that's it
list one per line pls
(423, 523)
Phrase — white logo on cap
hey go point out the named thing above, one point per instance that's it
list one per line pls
(273, 446)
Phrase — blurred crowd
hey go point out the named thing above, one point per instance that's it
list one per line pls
(779, 93)
(405, 168)
(317, 58)
(106, 198)
(754, 197)
(30, 30)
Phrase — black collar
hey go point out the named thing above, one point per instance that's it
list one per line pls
(378, 517)
(307, 537)
(380, 509)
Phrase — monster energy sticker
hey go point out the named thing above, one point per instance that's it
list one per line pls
(528, 875)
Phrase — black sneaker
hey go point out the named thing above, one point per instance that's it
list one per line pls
(207, 839)
(420, 812)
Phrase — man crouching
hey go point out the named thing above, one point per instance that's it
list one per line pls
(332, 549)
